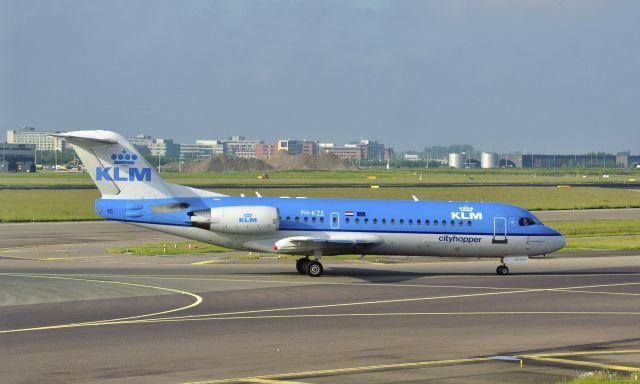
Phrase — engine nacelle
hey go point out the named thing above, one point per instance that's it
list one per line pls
(238, 219)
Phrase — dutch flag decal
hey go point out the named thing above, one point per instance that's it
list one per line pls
(348, 213)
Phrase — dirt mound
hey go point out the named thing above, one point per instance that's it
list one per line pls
(282, 160)
(220, 164)
(325, 161)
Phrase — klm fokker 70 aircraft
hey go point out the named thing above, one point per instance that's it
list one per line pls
(133, 193)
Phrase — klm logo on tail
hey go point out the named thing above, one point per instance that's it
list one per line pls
(123, 174)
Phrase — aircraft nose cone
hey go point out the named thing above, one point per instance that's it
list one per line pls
(557, 241)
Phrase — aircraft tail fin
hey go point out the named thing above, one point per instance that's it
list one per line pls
(118, 169)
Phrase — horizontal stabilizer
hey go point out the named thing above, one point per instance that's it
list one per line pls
(85, 138)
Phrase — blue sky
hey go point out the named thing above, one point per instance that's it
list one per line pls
(528, 75)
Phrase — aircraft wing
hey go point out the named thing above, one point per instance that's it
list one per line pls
(333, 244)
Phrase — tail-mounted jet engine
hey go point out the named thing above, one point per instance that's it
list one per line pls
(238, 219)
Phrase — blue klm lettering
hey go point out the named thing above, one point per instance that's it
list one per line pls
(133, 174)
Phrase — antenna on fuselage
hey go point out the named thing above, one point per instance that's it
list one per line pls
(415, 198)
(258, 194)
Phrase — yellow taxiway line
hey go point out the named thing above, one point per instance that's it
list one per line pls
(196, 302)
(242, 315)
(582, 363)
(344, 370)
(282, 377)
(405, 300)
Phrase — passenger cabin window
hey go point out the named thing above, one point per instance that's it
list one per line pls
(346, 220)
(357, 220)
(393, 221)
(322, 219)
(375, 221)
(384, 221)
(401, 221)
(418, 222)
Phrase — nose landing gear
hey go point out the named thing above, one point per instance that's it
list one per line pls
(502, 268)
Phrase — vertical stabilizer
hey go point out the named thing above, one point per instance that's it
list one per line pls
(119, 170)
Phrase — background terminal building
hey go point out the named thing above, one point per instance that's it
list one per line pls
(17, 157)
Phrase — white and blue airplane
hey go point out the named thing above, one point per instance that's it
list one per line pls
(132, 192)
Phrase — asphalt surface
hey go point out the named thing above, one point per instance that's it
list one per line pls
(70, 313)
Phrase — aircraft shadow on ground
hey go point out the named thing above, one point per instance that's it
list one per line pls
(390, 276)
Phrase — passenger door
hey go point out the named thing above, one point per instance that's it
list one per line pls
(499, 230)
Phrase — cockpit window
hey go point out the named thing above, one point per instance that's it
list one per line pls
(525, 221)
(536, 220)
(169, 208)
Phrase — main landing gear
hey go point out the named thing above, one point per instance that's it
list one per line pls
(306, 266)
(502, 268)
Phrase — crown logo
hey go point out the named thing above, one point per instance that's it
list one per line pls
(124, 158)
(466, 209)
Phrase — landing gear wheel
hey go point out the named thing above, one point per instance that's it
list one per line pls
(314, 269)
(301, 265)
(502, 270)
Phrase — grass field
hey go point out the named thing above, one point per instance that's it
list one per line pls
(382, 177)
(77, 204)
(597, 228)
(181, 248)
(604, 378)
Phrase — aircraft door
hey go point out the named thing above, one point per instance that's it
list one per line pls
(499, 230)
(335, 220)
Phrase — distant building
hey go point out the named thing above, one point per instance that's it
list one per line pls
(164, 148)
(298, 147)
(345, 153)
(408, 157)
(156, 147)
(238, 146)
(202, 149)
(558, 161)
(17, 157)
(388, 154)
(363, 150)
(141, 140)
(265, 151)
(42, 140)
(626, 160)
(372, 150)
